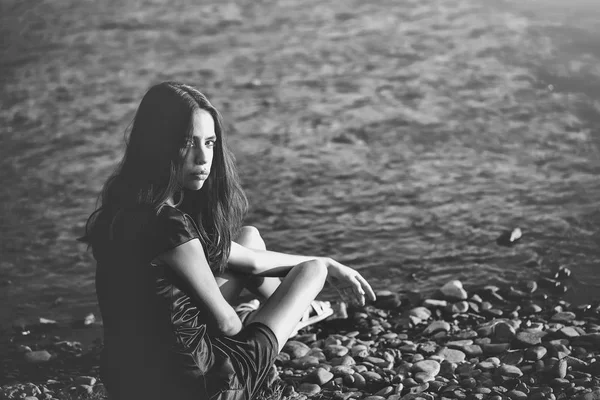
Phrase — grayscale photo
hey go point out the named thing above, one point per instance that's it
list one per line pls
(299, 200)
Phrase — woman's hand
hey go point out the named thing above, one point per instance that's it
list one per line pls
(349, 284)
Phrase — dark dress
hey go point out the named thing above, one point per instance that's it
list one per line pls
(156, 342)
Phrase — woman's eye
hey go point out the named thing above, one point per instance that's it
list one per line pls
(210, 143)
(189, 143)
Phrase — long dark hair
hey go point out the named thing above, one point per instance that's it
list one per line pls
(150, 172)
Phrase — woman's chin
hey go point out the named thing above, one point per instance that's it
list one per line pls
(195, 185)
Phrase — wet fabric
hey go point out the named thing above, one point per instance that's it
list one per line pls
(156, 342)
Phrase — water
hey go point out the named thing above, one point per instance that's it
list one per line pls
(400, 138)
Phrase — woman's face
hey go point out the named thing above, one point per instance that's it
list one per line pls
(200, 149)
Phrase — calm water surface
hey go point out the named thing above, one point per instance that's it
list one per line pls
(400, 137)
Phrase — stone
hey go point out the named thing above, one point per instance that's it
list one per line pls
(564, 316)
(305, 362)
(452, 355)
(421, 313)
(423, 377)
(309, 388)
(569, 332)
(531, 309)
(560, 368)
(436, 326)
(576, 364)
(385, 392)
(529, 338)
(590, 341)
(37, 357)
(512, 357)
(516, 395)
(85, 380)
(335, 350)
(472, 350)
(509, 370)
(435, 303)
(536, 353)
(371, 376)
(494, 348)
(345, 360)
(460, 307)
(504, 332)
(295, 348)
(359, 381)
(453, 290)
(429, 366)
(320, 376)
(89, 319)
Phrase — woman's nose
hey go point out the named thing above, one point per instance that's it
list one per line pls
(200, 156)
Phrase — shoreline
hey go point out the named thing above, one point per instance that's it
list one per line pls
(485, 342)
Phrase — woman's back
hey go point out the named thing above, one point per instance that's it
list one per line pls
(151, 325)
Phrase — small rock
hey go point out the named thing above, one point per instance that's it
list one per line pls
(89, 319)
(494, 348)
(452, 355)
(460, 307)
(295, 349)
(37, 357)
(309, 388)
(421, 313)
(529, 338)
(436, 326)
(429, 366)
(560, 368)
(305, 362)
(504, 332)
(435, 303)
(320, 376)
(564, 316)
(509, 238)
(453, 290)
(509, 370)
(345, 360)
(334, 350)
(85, 380)
(516, 395)
(536, 353)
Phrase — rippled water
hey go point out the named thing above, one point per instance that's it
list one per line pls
(399, 137)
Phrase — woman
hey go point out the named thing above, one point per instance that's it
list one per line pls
(168, 267)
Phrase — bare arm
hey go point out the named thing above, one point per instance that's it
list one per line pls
(189, 262)
(263, 262)
(348, 282)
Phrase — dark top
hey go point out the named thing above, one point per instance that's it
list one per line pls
(155, 337)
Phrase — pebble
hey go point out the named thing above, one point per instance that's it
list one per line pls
(453, 290)
(436, 326)
(309, 388)
(37, 357)
(295, 348)
(452, 355)
(529, 338)
(509, 370)
(430, 366)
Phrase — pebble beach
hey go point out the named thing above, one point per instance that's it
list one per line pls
(406, 136)
(489, 342)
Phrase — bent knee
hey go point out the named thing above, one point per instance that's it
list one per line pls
(314, 268)
(249, 236)
(249, 230)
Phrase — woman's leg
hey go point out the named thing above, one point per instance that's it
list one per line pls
(284, 308)
(261, 286)
(233, 284)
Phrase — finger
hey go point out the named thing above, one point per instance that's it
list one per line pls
(365, 285)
